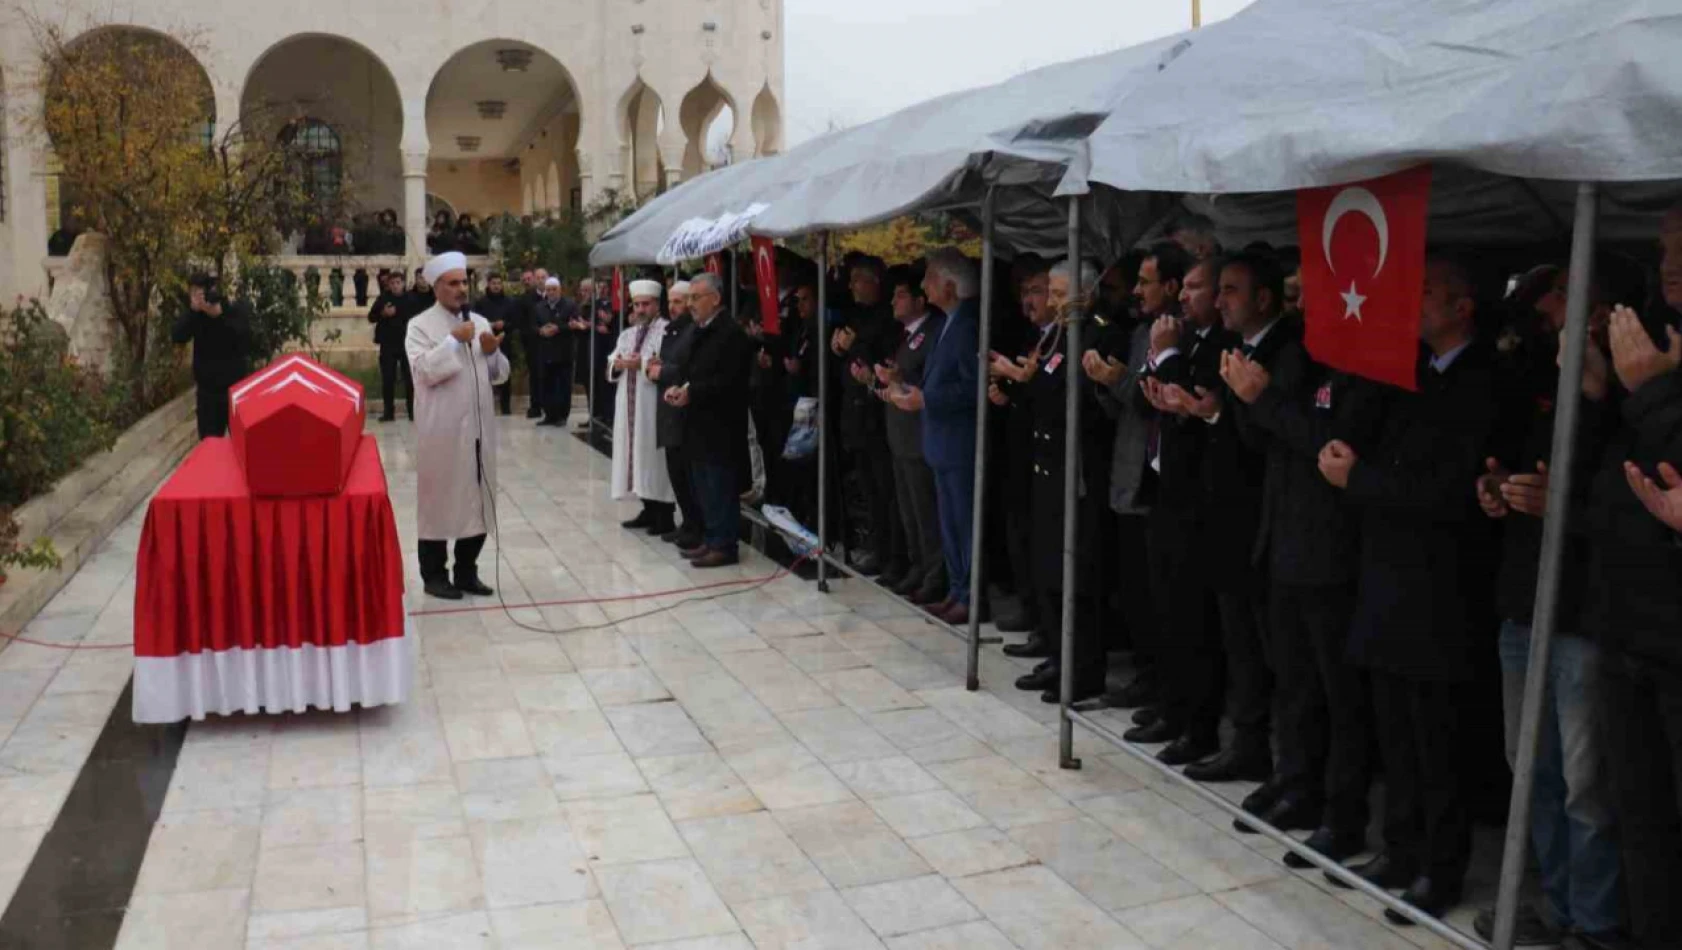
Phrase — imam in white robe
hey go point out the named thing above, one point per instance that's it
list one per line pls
(639, 465)
(454, 413)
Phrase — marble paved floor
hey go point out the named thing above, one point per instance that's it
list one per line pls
(778, 769)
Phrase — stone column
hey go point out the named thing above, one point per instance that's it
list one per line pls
(586, 176)
(26, 194)
(414, 205)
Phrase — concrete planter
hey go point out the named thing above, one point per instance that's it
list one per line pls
(86, 505)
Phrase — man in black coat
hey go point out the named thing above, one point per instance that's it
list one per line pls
(869, 336)
(1012, 466)
(667, 371)
(925, 576)
(506, 317)
(1184, 352)
(530, 344)
(714, 394)
(1424, 552)
(389, 314)
(220, 332)
(554, 352)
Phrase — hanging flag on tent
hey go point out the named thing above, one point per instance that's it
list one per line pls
(715, 264)
(618, 290)
(765, 279)
(1363, 273)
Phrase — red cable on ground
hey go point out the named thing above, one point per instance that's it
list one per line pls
(768, 578)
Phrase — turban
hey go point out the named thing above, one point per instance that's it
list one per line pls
(552, 282)
(645, 288)
(679, 289)
(443, 264)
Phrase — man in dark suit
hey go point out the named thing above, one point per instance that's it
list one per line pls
(867, 337)
(1015, 465)
(1424, 549)
(220, 332)
(1306, 545)
(925, 576)
(714, 395)
(554, 353)
(529, 301)
(947, 401)
(667, 371)
(389, 317)
(1184, 354)
(505, 315)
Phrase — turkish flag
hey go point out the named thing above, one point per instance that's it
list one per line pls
(618, 289)
(715, 264)
(765, 278)
(1363, 274)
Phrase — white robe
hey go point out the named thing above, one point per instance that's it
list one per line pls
(637, 449)
(453, 412)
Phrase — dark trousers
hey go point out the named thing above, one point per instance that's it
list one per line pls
(1019, 539)
(1189, 616)
(433, 556)
(213, 410)
(531, 347)
(1420, 740)
(1324, 737)
(557, 390)
(394, 366)
(505, 393)
(1641, 730)
(721, 505)
(771, 423)
(683, 487)
(1249, 679)
(1137, 615)
(955, 497)
(873, 468)
(919, 515)
(602, 392)
(360, 280)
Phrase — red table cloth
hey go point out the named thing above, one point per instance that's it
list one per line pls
(268, 604)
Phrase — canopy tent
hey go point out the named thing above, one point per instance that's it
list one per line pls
(930, 156)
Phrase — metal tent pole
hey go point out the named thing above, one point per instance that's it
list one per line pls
(821, 354)
(1560, 465)
(977, 555)
(735, 285)
(1071, 502)
(590, 368)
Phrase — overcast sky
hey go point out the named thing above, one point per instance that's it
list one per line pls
(850, 61)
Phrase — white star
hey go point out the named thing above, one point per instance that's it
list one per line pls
(1352, 303)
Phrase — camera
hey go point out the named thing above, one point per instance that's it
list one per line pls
(213, 297)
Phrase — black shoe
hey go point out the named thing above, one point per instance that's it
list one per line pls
(908, 585)
(661, 527)
(1337, 845)
(442, 590)
(388, 418)
(1186, 749)
(642, 520)
(894, 576)
(1146, 715)
(534, 413)
(867, 564)
(1159, 731)
(1140, 692)
(1054, 695)
(1239, 762)
(1263, 798)
(1384, 871)
(1039, 680)
(471, 584)
(1529, 929)
(1433, 895)
(1606, 940)
(1034, 646)
(554, 423)
(1019, 621)
(686, 541)
(1287, 814)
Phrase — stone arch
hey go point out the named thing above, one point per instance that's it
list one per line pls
(702, 109)
(491, 103)
(337, 81)
(642, 124)
(767, 123)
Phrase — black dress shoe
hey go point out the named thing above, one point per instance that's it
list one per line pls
(471, 584)
(1186, 749)
(1159, 731)
(892, 577)
(1290, 813)
(1054, 695)
(1383, 871)
(661, 527)
(908, 585)
(534, 413)
(642, 520)
(1038, 680)
(388, 418)
(1263, 798)
(1140, 692)
(1239, 762)
(442, 590)
(1337, 845)
(1034, 646)
(1433, 895)
(1145, 715)
(1018, 621)
(867, 565)
(1529, 929)
(686, 541)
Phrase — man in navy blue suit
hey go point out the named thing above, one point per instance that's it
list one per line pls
(947, 401)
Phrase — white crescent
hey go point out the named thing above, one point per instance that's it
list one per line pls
(1361, 201)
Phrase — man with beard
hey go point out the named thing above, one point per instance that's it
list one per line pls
(554, 352)
(530, 343)
(506, 318)
(714, 393)
(666, 372)
(868, 337)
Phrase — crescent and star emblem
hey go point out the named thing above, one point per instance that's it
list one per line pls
(1357, 200)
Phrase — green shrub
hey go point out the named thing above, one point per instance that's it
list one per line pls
(54, 412)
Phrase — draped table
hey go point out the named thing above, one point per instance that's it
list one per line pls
(247, 604)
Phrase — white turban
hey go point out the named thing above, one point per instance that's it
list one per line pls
(645, 288)
(443, 264)
(552, 282)
(679, 289)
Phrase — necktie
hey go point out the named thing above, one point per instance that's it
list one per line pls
(1247, 350)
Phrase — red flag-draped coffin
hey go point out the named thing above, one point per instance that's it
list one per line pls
(296, 426)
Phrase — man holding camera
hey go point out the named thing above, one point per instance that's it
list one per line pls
(221, 336)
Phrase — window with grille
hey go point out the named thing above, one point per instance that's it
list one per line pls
(316, 148)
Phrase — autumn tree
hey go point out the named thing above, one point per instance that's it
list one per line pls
(172, 187)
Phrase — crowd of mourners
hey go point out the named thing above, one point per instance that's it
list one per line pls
(1303, 578)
